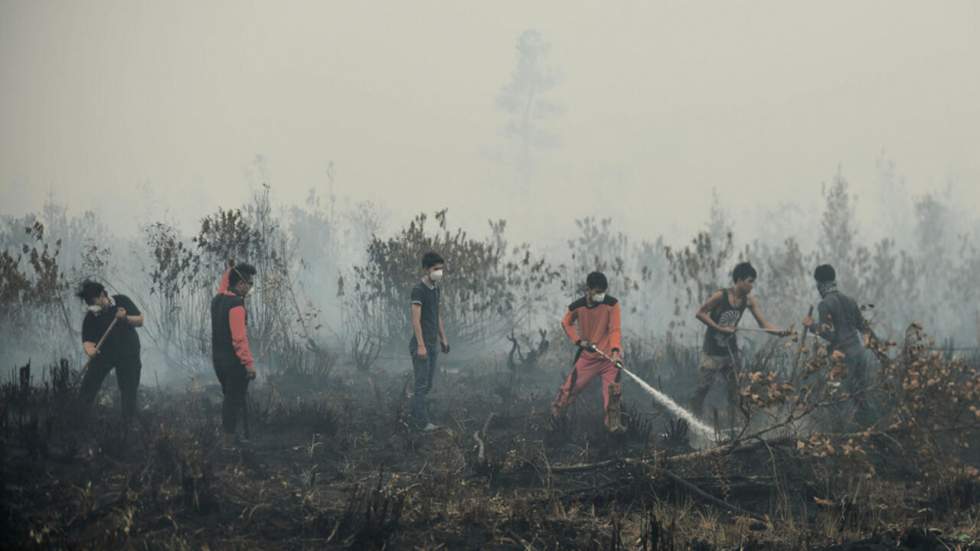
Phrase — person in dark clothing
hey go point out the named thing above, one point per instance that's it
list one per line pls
(721, 314)
(842, 325)
(428, 338)
(120, 349)
(230, 352)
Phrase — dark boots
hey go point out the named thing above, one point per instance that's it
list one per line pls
(614, 413)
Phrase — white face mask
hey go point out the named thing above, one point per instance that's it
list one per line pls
(598, 297)
(94, 308)
(435, 275)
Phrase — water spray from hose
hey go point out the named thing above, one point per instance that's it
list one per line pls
(693, 422)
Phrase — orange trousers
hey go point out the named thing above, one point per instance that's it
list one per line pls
(586, 369)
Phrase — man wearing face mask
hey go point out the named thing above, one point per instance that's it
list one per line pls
(843, 326)
(597, 317)
(428, 338)
(230, 352)
(120, 350)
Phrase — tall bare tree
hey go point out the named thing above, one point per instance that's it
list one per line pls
(838, 229)
(526, 104)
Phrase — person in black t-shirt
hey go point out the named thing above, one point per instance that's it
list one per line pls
(428, 338)
(120, 349)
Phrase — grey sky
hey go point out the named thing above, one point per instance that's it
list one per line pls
(125, 106)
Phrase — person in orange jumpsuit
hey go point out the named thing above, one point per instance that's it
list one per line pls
(593, 322)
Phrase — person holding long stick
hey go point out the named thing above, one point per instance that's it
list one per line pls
(110, 341)
(721, 314)
(230, 351)
(843, 326)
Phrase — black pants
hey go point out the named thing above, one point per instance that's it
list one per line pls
(234, 385)
(127, 376)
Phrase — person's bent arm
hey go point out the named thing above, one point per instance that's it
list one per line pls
(704, 313)
(864, 326)
(128, 311)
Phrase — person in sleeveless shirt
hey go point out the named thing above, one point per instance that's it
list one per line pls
(721, 314)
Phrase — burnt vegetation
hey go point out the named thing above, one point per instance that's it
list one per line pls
(333, 464)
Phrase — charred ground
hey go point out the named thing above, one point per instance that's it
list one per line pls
(334, 465)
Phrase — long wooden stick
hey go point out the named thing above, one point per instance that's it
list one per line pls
(757, 330)
(98, 345)
(799, 352)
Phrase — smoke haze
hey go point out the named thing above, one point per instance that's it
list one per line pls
(131, 108)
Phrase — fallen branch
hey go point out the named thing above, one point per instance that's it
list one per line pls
(791, 439)
(669, 474)
(524, 542)
(581, 467)
(728, 449)
(710, 498)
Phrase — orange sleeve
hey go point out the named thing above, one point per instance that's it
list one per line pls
(223, 284)
(568, 323)
(239, 335)
(615, 330)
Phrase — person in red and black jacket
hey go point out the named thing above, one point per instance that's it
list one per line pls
(233, 362)
(597, 317)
